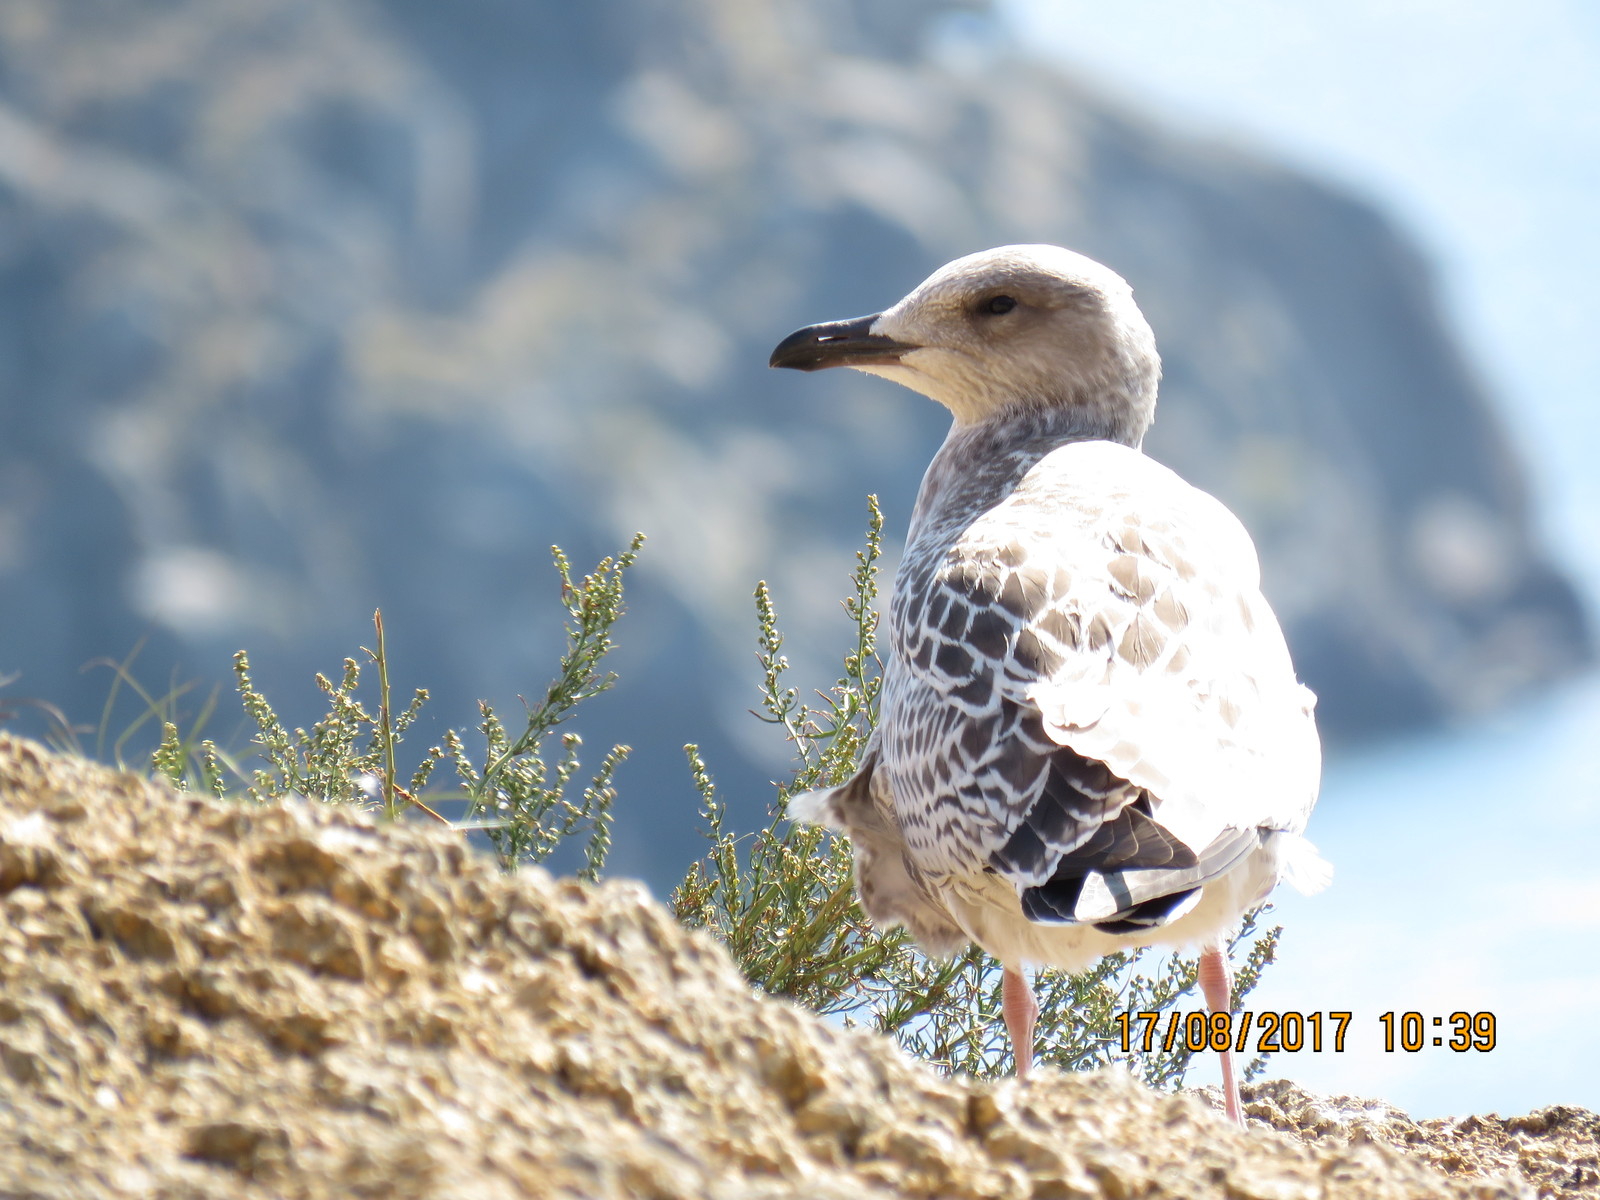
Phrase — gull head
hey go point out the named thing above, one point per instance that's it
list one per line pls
(1011, 330)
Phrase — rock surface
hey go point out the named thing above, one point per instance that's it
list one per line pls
(209, 1000)
(311, 306)
(1556, 1148)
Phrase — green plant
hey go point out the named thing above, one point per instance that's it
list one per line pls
(785, 905)
(515, 788)
(163, 710)
(783, 901)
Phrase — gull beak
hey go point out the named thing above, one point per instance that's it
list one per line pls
(838, 344)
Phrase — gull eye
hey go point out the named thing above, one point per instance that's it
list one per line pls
(996, 305)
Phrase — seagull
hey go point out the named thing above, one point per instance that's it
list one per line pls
(1091, 735)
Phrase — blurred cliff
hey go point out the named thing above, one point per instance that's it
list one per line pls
(314, 307)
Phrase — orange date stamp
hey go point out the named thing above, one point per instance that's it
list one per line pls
(1291, 1032)
(1273, 1032)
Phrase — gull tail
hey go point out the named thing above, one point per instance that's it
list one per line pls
(1303, 867)
(816, 808)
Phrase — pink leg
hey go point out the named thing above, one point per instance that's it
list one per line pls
(1217, 984)
(1021, 1010)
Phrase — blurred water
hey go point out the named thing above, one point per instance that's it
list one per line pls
(1465, 881)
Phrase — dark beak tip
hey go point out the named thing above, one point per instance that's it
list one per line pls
(802, 350)
(836, 344)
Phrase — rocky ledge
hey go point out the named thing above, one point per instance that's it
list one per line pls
(209, 999)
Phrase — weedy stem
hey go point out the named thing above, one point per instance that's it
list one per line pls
(385, 730)
(352, 753)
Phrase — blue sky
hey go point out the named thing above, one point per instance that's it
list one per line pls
(1466, 869)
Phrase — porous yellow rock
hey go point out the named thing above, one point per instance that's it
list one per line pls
(203, 999)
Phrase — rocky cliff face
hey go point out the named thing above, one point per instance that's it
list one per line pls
(310, 306)
(202, 999)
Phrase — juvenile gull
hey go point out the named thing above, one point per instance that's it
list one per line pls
(1091, 736)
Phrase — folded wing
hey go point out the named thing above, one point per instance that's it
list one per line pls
(1121, 723)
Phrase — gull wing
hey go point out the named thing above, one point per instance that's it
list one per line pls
(1109, 711)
